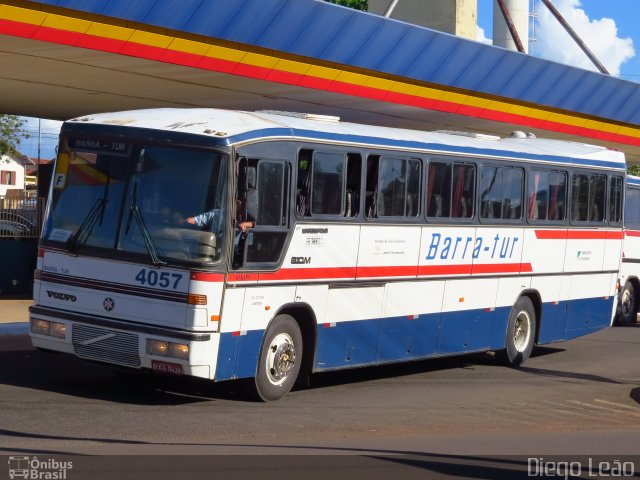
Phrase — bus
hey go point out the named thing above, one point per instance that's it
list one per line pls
(627, 312)
(319, 244)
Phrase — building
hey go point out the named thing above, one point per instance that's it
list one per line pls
(12, 175)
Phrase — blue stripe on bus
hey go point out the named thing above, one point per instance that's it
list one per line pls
(633, 181)
(406, 144)
(394, 339)
(238, 355)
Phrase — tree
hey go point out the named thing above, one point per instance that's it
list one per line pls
(11, 134)
(355, 4)
(634, 170)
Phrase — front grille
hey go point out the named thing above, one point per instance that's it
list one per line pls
(104, 345)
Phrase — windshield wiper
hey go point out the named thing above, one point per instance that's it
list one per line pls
(146, 236)
(135, 212)
(96, 212)
(87, 224)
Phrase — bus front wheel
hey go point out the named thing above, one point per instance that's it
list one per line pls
(521, 331)
(280, 359)
(628, 310)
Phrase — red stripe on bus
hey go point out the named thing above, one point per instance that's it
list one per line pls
(501, 268)
(632, 233)
(207, 277)
(376, 272)
(579, 234)
(309, 273)
(349, 273)
(444, 270)
(242, 277)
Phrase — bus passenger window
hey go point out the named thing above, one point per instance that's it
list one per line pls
(588, 197)
(512, 202)
(303, 187)
(439, 190)
(464, 184)
(491, 196)
(538, 195)
(371, 192)
(597, 198)
(557, 196)
(615, 200)
(580, 198)
(501, 196)
(631, 210)
(352, 195)
(399, 187)
(326, 183)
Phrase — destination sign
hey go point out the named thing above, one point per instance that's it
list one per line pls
(100, 145)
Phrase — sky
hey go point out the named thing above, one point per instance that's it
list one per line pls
(608, 27)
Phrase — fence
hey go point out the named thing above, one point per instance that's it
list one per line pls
(21, 216)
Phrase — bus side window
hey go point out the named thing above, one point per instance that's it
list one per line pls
(399, 187)
(502, 189)
(371, 187)
(631, 210)
(588, 197)
(579, 197)
(597, 198)
(303, 187)
(615, 200)
(439, 190)
(464, 190)
(557, 196)
(327, 183)
(491, 196)
(538, 195)
(352, 194)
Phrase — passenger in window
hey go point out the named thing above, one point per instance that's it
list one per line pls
(215, 217)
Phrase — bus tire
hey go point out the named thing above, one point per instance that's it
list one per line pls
(280, 359)
(521, 332)
(628, 312)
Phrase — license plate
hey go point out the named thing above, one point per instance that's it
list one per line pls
(166, 367)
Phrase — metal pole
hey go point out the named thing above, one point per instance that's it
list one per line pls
(575, 37)
(512, 28)
(390, 8)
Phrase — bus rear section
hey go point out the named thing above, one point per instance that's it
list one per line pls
(629, 298)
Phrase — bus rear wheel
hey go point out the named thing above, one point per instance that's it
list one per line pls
(628, 309)
(521, 332)
(280, 359)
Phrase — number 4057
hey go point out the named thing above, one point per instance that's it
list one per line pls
(161, 279)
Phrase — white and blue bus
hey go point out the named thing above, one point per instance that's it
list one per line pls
(271, 245)
(627, 313)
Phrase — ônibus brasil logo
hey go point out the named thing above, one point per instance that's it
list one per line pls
(36, 469)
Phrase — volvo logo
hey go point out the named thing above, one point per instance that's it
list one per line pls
(109, 304)
(61, 296)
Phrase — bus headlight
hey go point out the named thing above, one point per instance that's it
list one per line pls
(40, 327)
(179, 350)
(163, 348)
(58, 330)
(51, 329)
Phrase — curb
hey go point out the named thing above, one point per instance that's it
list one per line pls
(18, 328)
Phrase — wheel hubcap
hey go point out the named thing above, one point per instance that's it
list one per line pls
(281, 358)
(522, 331)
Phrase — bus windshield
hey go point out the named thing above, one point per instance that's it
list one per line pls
(126, 200)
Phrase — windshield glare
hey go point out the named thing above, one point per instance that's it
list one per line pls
(139, 202)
